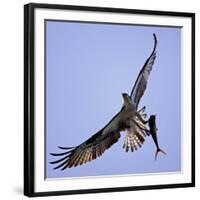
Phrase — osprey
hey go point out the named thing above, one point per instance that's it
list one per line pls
(128, 119)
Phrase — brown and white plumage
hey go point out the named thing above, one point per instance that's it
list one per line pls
(132, 140)
(130, 120)
(135, 135)
(92, 147)
(141, 82)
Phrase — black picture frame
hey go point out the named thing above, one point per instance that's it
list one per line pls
(29, 98)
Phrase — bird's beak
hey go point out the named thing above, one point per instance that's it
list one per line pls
(123, 94)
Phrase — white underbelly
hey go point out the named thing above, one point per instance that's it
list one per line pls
(123, 116)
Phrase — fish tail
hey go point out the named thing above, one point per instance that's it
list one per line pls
(159, 150)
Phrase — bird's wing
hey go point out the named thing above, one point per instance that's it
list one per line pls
(91, 148)
(136, 133)
(141, 82)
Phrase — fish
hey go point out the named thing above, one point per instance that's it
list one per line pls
(153, 132)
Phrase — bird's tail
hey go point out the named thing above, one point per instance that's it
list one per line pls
(133, 141)
(136, 134)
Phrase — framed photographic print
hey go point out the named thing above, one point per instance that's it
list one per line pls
(108, 99)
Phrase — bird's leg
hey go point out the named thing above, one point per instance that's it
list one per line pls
(148, 132)
(140, 118)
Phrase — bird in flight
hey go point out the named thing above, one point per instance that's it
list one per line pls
(128, 119)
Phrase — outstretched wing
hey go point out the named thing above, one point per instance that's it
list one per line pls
(141, 82)
(92, 148)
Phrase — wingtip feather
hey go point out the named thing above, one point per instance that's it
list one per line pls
(65, 148)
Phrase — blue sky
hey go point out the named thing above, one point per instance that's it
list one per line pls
(88, 66)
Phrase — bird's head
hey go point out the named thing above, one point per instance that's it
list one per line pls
(127, 99)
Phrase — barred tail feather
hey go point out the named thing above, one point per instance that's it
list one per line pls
(133, 142)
